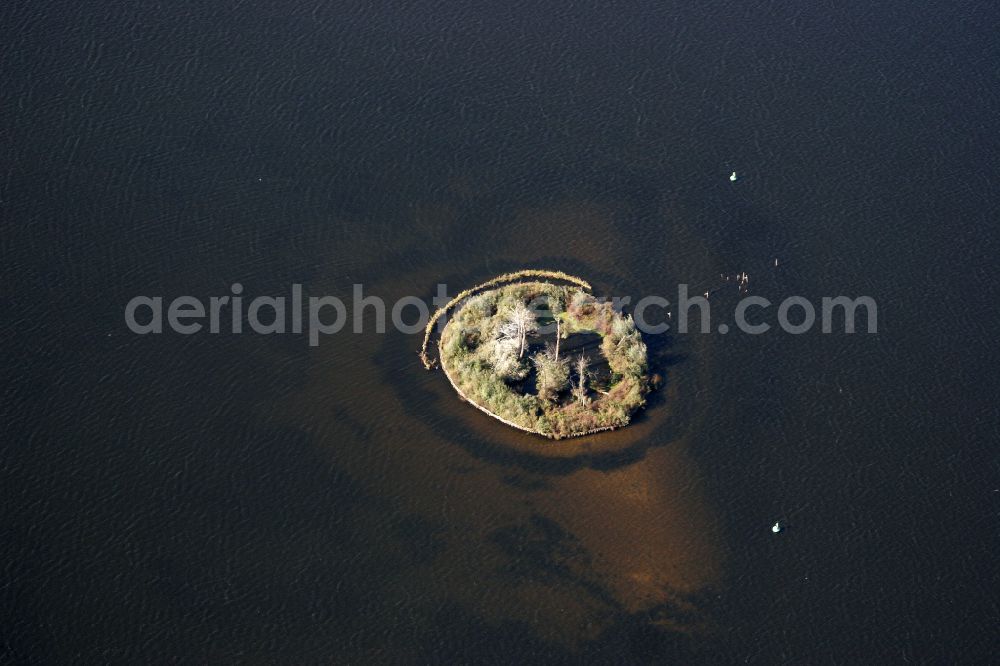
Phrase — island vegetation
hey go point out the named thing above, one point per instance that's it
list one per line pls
(505, 352)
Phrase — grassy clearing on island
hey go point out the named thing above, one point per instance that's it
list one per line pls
(495, 352)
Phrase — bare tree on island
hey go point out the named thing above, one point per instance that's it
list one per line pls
(504, 358)
(520, 322)
(580, 389)
(558, 335)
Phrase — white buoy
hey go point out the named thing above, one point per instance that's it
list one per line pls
(732, 176)
(776, 527)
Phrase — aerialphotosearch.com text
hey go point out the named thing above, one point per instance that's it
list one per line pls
(321, 316)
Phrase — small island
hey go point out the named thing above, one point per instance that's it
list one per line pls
(505, 352)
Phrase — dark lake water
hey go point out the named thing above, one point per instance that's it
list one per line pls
(219, 498)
